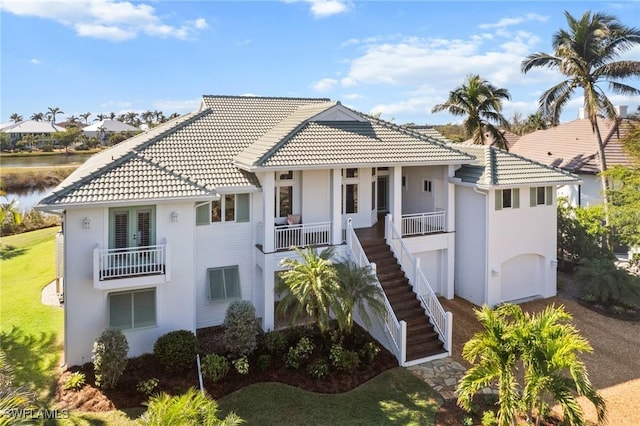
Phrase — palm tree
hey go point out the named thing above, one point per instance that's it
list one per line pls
(585, 56)
(53, 111)
(481, 103)
(86, 116)
(112, 115)
(37, 116)
(536, 121)
(310, 286)
(15, 117)
(9, 212)
(100, 117)
(358, 291)
(494, 357)
(73, 119)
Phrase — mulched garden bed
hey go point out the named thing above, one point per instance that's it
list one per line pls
(145, 367)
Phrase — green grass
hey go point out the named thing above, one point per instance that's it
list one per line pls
(395, 397)
(31, 332)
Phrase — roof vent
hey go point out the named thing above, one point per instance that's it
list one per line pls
(621, 111)
(582, 114)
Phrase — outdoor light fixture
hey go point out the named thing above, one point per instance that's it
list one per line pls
(174, 216)
(554, 263)
(86, 223)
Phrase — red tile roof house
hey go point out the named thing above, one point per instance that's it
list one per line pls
(163, 230)
(573, 147)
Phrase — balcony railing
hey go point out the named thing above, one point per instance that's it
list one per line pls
(423, 223)
(302, 235)
(130, 262)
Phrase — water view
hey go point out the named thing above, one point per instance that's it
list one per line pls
(44, 161)
(28, 199)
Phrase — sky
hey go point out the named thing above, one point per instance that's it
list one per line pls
(395, 58)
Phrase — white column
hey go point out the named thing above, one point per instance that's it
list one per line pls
(396, 196)
(268, 202)
(269, 318)
(336, 207)
(450, 201)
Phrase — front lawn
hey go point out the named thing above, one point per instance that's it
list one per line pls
(31, 332)
(395, 397)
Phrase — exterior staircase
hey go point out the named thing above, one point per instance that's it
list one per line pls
(422, 339)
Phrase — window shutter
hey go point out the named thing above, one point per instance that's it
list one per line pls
(516, 198)
(121, 230)
(533, 197)
(242, 208)
(549, 195)
(498, 199)
(202, 214)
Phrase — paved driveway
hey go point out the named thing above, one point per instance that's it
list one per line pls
(614, 365)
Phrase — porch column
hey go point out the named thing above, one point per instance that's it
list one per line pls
(268, 201)
(268, 272)
(336, 204)
(395, 189)
(450, 201)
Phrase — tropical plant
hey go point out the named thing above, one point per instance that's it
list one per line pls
(15, 117)
(52, 113)
(148, 386)
(10, 214)
(85, 117)
(67, 138)
(241, 328)
(358, 291)
(585, 56)
(73, 119)
(579, 234)
(100, 117)
(11, 397)
(481, 103)
(309, 286)
(37, 116)
(299, 353)
(75, 381)
(191, 408)
(176, 350)
(241, 365)
(215, 367)
(601, 281)
(110, 357)
(547, 346)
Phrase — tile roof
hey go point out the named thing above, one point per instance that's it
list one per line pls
(32, 126)
(496, 167)
(573, 146)
(428, 131)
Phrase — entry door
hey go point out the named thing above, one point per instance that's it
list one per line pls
(131, 227)
(383, 193)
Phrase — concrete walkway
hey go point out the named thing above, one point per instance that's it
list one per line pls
(49, 296)
(442, 375)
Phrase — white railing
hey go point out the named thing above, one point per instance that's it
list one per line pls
(131, 262)
(441, 320)
(396, 330)
(423, 223)
(302, 235)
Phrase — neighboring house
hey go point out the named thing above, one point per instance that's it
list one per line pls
(163, 230)
(573, 147)
(40, 130)
(103, 128)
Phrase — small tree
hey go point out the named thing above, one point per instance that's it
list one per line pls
(110, 357)
(240, 328)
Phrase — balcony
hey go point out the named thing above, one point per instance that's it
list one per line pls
(423, 223)
(302, 235)
(115, 268)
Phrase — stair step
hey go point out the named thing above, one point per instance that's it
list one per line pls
(423, 351)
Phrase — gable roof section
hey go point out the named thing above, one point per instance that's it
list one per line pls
(573, 146)
(32, 126)
(428, 131)
(496, 167)
(343, 143)
(110, 126)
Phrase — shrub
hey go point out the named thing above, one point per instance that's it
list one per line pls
(75, 381)
(264, 361)
(489, 418)
(602, 282)
(275, 342)
(318, 368)
(109, 357)
(215, 367)
(301, 351)
(342, 358)
(47, 148)
(241, 365)
(240, 328)
(176, 350)
(369, 352)
(148, 386)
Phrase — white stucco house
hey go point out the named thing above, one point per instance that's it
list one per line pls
(162, 231)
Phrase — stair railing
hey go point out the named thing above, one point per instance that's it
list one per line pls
(442, 321)
(396, 330)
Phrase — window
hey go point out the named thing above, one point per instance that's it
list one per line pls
(288, 175)
(373, 171)
(352, 173)
(132, 227)
(284, 194)
(507, 199)
(224, 283)
(404, 181)
(541, 195)
(373, 195)
(350, 198)
(132, 309)
(229, 208)
(426, 186)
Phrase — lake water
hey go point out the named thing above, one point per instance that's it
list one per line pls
(44, 161)
(28, 199)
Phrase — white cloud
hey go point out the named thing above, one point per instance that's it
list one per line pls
(508, 22)
(170, 106)
(354, 96)
(105, 19)
(35, 61)
(324, 85)
(324, 8)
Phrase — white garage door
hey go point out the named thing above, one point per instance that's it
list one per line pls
(521, 277)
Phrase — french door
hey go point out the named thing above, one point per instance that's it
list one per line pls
(131, 227)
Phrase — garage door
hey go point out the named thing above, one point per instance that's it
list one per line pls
(521, 277)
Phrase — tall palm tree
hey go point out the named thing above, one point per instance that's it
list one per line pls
(358, 291)
(73, 119)
(112, 115)
(86, 116)
(585, 55)
(37, 116)
(100, 117)
(53, 111)
(481, 103)
(15, 117)
(310, 286)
